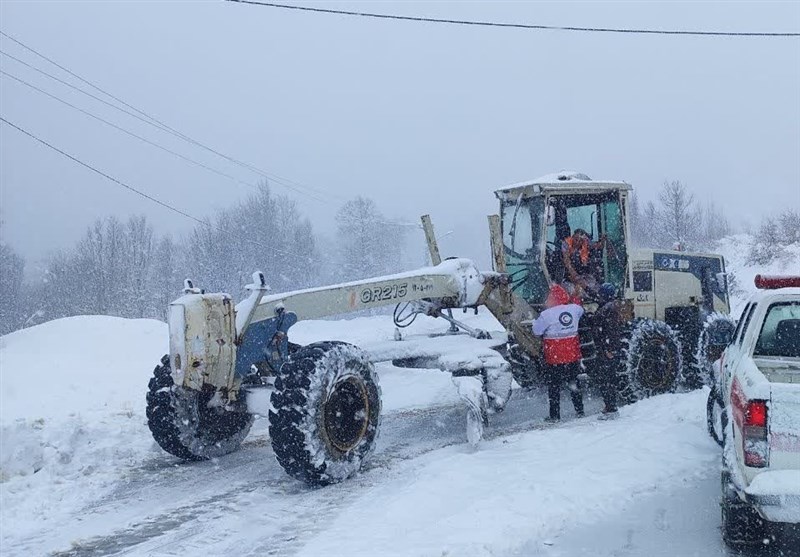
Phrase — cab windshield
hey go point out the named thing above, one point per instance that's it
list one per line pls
(599, 216)
(535, 232)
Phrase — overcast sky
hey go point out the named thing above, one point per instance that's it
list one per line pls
(420, 117)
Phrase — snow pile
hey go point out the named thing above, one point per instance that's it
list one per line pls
(736, 249)
(68, 379)
(72, 409)
(522, 490)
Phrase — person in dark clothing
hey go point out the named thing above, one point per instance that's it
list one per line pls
(609, 327)
(558, 324)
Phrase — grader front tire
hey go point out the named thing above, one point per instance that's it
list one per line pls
(327, 412)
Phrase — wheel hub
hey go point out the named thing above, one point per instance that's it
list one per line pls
(346, 414)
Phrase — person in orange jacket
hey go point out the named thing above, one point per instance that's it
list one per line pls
(558, 325)
(576, 255)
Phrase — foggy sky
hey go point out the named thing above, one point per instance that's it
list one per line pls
(423, 118)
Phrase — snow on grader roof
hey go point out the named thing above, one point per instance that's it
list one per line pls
(560, 181)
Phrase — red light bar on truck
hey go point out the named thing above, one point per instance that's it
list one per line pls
(767, 282)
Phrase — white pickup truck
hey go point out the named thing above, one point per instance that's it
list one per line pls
(757, 388)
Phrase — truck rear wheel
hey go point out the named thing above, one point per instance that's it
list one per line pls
(653, 360)
(186, 423)
(741, 524)
(327, 412)
(715, 416)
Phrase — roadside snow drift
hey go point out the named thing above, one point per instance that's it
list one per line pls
(71, 412)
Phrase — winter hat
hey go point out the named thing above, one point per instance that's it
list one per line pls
(607, 292)
(557, 296)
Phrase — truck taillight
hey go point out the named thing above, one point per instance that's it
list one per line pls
(754, 435)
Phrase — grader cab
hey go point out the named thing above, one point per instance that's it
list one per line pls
(325, 401)
(668, 296)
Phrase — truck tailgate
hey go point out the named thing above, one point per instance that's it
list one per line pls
(784, 427)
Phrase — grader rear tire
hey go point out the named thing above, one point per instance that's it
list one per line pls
(184, 424)
(653, 360)
(327, 411)
(712, 341)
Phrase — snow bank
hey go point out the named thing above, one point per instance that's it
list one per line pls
(72, 387)
(78, 364)
(72, 411)
(524, 489)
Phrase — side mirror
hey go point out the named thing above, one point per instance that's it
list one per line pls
(722, 282)
(720, 333)
(550, 218)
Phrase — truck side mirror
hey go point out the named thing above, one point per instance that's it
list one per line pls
(720, 333)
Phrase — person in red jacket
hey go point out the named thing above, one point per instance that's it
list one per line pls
(558, 324)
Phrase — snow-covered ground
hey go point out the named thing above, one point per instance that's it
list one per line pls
(81, 475)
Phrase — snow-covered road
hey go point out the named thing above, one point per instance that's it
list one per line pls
(426, 493)
(683, 521)
(645, 484)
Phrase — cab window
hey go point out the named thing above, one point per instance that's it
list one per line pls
(744, 322)
(522, 224)
(740, 324)
(780, 332)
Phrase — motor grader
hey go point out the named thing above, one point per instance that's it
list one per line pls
(325, 400)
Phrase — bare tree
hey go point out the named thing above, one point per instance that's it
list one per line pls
(715, 225)
(789, 222)
(265, 233)
(678, 219)
(766, 243)
(124, 270)
(636, 223)
(773, 236)
(164, 283)
(12, 266)
(651, 235)
(369, 244)
(136, 268)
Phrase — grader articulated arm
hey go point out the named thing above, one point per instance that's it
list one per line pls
(213, 344)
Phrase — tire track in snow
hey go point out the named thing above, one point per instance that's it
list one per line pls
(195, 501)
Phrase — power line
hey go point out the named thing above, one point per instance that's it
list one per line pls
(630, 31)
(103, 174)
(151, 120)
(123, 130)
(124, 111)
(134, 190)
(78, 89)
